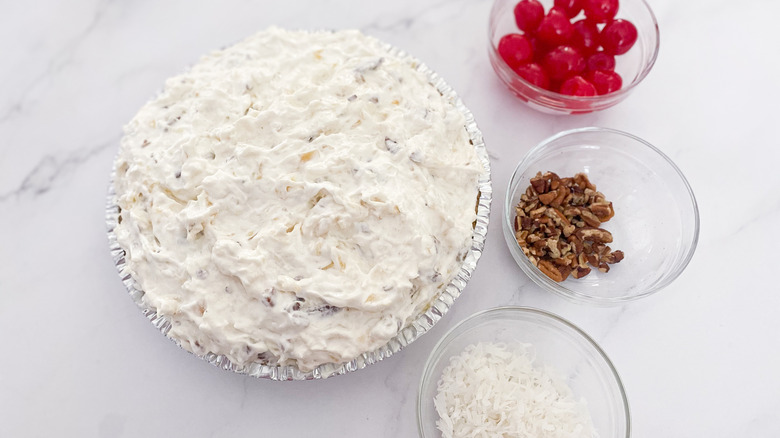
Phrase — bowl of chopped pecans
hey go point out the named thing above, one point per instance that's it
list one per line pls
(600, 216)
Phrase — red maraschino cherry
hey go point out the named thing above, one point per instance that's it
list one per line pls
(618, 37)
(600, 61)
(528, 15)
(515, 49)
(605, 81)
(586, 36)
(555, 28)
(600, 11)
(577, 86)
(535, 74)
(570, 7)
(563, 62)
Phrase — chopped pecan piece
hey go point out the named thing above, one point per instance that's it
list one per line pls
(548, 197)
(539, 184)
(582, 181)
(597, 235)
(613, 257)
(552, 245)
(580, 272)
(538, 212)
(602, 210)
(549, 269)
(562, 193)
(591, 219)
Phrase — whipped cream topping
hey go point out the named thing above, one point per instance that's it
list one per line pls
(297, 198)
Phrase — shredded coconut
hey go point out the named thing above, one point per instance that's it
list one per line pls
(494, 390)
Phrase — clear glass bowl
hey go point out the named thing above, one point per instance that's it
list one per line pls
(558, 343)
(632, 66)
(656, 222)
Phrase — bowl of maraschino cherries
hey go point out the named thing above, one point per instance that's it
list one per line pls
(572, 56)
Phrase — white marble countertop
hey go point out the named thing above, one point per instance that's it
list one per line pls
(700, 358)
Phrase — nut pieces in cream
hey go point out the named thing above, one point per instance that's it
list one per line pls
(297, 198)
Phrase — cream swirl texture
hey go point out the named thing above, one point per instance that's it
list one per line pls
(297, 198)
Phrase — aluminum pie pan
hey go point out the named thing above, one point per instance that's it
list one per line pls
(419, 326)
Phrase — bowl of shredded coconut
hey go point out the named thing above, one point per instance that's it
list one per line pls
(520, 372)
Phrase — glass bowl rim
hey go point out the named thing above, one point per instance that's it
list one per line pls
(436, 353)
(548, 284)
